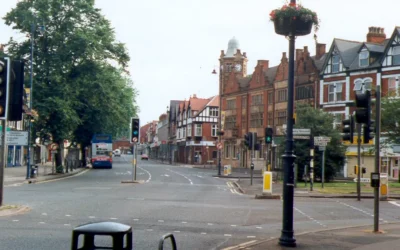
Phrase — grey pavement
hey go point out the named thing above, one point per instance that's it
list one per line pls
(15, 176)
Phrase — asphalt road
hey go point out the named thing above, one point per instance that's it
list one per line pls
(203, 212)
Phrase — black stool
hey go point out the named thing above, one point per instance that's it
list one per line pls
(116, 230)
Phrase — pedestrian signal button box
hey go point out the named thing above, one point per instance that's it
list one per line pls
(375, 180)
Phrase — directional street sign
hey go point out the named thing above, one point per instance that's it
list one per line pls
(321, 140)
(301, 131)
(301, 137)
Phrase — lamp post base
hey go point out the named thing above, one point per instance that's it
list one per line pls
(287, 239)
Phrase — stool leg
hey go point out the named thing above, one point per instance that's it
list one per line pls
(118, 242)
(88, 243)
(74, 243)
(129, 240)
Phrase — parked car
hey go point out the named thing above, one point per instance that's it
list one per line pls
(144, 157)
(117, 152)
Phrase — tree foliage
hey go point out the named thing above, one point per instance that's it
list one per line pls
(390, 122)
(80, 83)
(320, 124)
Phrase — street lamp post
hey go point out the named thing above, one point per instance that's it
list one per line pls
(214, 72)
(32, 36)
(169, 135)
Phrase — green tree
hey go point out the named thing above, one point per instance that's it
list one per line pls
(78, 38)
(320, 124)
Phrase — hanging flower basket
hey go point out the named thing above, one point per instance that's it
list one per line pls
(294, 20)
(287, 26)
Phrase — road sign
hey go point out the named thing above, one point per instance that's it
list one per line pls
(322, 148)
(362, 180)
(321, 140)
(54, 146)
(301, 131)
(301, 137)
(17, 138)
(134, 139)
(219, 145)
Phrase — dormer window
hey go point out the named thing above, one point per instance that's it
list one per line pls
(335, 63)
(396, 56)
(364, 58)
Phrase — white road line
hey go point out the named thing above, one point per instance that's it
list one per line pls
(394, 203)
(44, 214)
(67, 224)
(184, 222)
(177, 231)
(210, 224)
(135, 219)
(160, 220)
(251, 237)
(184, 176)
(149, 230)
(68, 215)
(112, 218)
(149, 179)
(203, 233)
(309, 217)
(42, 222)
(357, 209)
(228, 235)
(233, 225)
(15, 220)
(232, 191)
(259, 227)
(92, 217)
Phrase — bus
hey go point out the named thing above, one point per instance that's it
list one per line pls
(102, 151)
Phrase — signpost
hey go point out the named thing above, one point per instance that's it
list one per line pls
(322, 142)
(19, 138)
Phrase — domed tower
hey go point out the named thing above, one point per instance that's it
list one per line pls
(233, 61)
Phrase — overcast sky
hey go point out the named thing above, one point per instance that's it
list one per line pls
(175, 44)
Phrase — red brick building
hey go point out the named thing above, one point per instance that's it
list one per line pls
(252, 102)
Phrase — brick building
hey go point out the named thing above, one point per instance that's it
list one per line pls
(252, 102)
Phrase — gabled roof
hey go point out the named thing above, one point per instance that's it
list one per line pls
(270, 73)
(371, 47)
(320, 62)
(348, 50)
(197, 103)
(244, 82)
(396, 32)
(214, 102)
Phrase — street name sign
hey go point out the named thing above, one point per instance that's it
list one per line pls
(19, 138)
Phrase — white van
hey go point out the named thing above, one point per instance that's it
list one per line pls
(117, 152)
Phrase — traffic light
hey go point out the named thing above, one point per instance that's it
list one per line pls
(248, 140)
(355, 169)
(135, 130)
(369, 130)
(363, 104)
(348, 129)
(268, 135)
(16, 92)
(4, 77)
(253, 141)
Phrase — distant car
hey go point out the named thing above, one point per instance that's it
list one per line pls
(145, 157)
(117, 152)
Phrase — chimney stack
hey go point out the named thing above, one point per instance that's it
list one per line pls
(376, 35)
(263, 63)
(320, 50)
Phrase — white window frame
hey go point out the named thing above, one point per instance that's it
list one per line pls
(213, 112)
(363, 84)
(189, 130)
(198, 128)
(396, 54)
(227, 151)
(214, 129)
(364, 58)
(337, 121)
(337, 89)
(184, 132)
(334, 64)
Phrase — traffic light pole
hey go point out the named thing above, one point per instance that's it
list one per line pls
(2, 159)
(377, 151)
(358, 161)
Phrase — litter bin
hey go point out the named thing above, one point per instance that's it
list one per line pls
(34, 171)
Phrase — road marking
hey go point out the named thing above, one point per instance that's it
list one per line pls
(63, 178)
(160, 220)
(135, 219)
(210, 224)
(139, 199)
(165, 175)
(149, 179)
(184, 222)
(177, 231)
(309, 217)
(251, 237)
(233, 225)
(15, 220)
(228, 235)
(68, 215)
(42, 222)
(112, 218)
(203, 233)
(149, 230)
(394, 203)
(259, 227)
(92, 217)
(184, 176)
(44, 214)
(67, 225)
(357, 209)
(241, 246)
